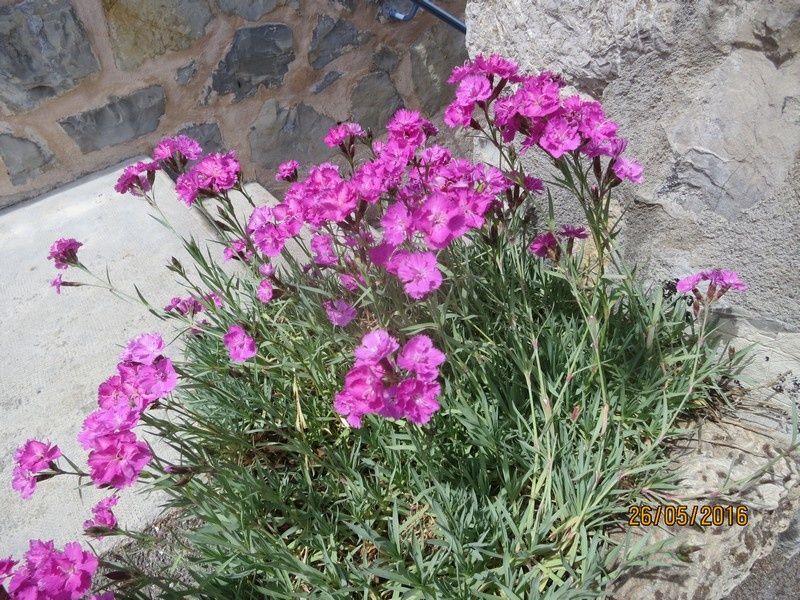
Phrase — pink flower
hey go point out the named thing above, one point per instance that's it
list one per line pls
(117, 460)
(421, 357)
(72, 574)
(625, 168)
(218, 172)
(23, 482)
(238, 249)
(408, 128)
(416, 400)
(322, 248)
(136, 179)
(573, 232)
(157, 380)
(375, 346)
(418, 271)
(287, 171)
(102, 515)
(187, 186)
(267, 269)
(270, 239)
(241, 346)
(143, 349)
(442, 219)
(36, 456)
(188, 306)
(264, 292)
(688, 283)
(181, 147)
(363, 393)
(456, 115)
(341, 133)
(56, 283)
(560, 136)
(396, 224)
(532, 184)
(109, 420)
(64, 252)
(103, 596)
(472, 89)
(6, 566)
(727, 280)
(543, 245)
(340, 312)
(348, 282)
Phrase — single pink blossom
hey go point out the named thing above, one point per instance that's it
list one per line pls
(287, 171)
(218, 172)
(180, 147)
(396, 222)
(56, 283)
(238, 250)
(421, 357)
(187, 186)
(543, 245)
(348, 282)
(23, 482)
(102, 515)
(375, 346)
(340, 312)
(109, 420)
(322, 248)
(36, 456)
(417, 400)
(64, 252)
(264, 291)
(573, 232)
(117, 460)
(726, 280)
(472, 89)
(143, 349)
(560, 136)
(240, 345)
(267, 269)
(625, 168)
(418, 271)
(688, 283)
(341, 133)
(136, 178)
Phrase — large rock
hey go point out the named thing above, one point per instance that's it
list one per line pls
(280, 134)
(707, 92)
(144, 29)
(24, 158)
(432, 60)
(258, 56)
(44, 51)
(331, 38)
(252, 10)
(208, 134)
(120, 120)
(375, 100)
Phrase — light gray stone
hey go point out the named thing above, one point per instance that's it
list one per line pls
(252, 10)
(120, 120)
(374, 101)
(24, 159)
(185, 73)
(143, 29)
(44, 51)
(258, 56)
(331, 38)
(280, 134)
(432, 61)
(326, 81)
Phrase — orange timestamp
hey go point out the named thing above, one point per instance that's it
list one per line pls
(705, 515)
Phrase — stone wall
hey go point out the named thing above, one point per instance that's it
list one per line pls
(708, 91)
(88, 83)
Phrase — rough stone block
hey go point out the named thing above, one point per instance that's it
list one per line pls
(258, 56)
(208, 134)
(432, 62)
(44, 51)
(252, 10)
(326, 81)
(24, 158)
(120, 120)
(280, 134)
(375, 100)
(331, 38)
(144, 29)
(185, 73)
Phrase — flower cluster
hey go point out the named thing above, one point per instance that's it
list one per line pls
(719, 282)
(532, 107)
(32, 458)
(214, 173)
(144, 376)
(546, 245)
(50, 574)
(137, 179)
(398, 387)
(103, 519)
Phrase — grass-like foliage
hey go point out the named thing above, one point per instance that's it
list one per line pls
(545, 389)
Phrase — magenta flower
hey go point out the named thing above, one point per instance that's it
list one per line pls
(36, 456)
(238, 249)
(143, 349)
(270, 239)
(560, 136)
(23, 482)
(409, 128)
(322, 248)
(375, 346)
(625, 168)
(241, 346)
(264, 291)
(157, 380)
(396, 222)
(188, 306)
(473, 89)
(187, 186)
(56, 283)
(64, 252)
(573, 232)
(348, 282)
(418, 271)
(108, 420)
(416, 400)
(727, 280)
(340, 312)
(218, 172)
(117, 460)
(532, 184)
(267, 269)
(421, 357)
(6, 566)
(688, 283)
(363, 393)
(287, 171)
(544, 245)
(136, 179)
(180, 147)
(72, 574)
(103, 596)
(102, 515)
(720, 282)
(341, 133)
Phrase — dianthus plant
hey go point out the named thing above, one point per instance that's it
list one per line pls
(403, 379)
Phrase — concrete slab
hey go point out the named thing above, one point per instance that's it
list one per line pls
(56, 349)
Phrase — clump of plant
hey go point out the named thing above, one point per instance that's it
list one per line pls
(416, 385)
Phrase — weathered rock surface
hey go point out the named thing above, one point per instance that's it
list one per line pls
(44, 51)
(143, 29)
(259, 56)
(120, 120)
(184, 74)
(375, 100)
(432, 62)
(707, 93)
(24, 159)
(326, 81)
(252, 10)
(208, 134)
(331, 38)
(281, 133)
(385, 59)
